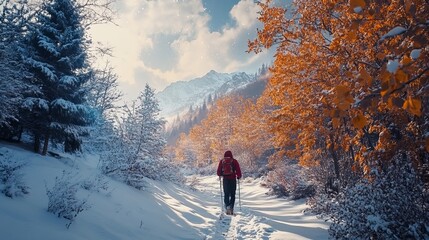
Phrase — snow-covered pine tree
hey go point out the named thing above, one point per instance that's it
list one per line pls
(137, 150)
(150, 141)
(144, 127)
(57, 60)
(13, 19)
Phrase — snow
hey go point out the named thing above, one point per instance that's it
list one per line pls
(357, 9)
(415, 53)
(394, 32)
(160, 211)
(64, 104)
(69, 80)
(392, 65)
(179, 96)
(30, 102)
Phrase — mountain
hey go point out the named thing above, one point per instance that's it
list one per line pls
(179, 96)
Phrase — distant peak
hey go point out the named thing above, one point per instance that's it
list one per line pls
(212, 72)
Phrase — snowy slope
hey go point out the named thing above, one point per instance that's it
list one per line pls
(179, 96)
(161, 211)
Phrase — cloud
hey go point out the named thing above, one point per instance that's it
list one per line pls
(162, 41)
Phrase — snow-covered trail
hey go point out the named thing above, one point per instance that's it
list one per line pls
(162, 210)
(260, 216)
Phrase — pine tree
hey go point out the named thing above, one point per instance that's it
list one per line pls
(150, 123)
(13, 19)
(57, 60)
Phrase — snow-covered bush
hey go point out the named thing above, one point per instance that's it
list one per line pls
(12, 184)
(289, 180)
(193, 182)
(96, 184)
(63, 199)
(389, 205)
(160, 169)
(124, 167)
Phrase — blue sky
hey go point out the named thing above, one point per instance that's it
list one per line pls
(219, 10)
(163, 41)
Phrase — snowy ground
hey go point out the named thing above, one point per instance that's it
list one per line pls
(161, 211)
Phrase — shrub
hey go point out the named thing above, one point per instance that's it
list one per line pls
(10, 176)
(96, 184)
(289, 180)
(63, 200)
(391, 205)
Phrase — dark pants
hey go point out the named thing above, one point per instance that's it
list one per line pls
(229, 187)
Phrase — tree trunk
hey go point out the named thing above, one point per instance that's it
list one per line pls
(335, 158)
(36, 146)
(45, 144)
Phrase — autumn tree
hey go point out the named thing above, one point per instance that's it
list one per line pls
(350, 83)
(347, 76)
(232, 123)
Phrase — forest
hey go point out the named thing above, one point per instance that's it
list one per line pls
(343, 120)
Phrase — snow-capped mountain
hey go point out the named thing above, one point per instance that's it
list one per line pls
(179, 96)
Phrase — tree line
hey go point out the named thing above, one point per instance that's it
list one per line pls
(54, 95)
(45, 54)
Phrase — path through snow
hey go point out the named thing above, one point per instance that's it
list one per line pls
(162, 211)
(260, 216)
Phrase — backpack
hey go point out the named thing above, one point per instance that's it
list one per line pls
(227, 166)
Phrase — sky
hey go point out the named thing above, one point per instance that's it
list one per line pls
(162, 41)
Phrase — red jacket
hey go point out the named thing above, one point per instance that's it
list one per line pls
(237, 170)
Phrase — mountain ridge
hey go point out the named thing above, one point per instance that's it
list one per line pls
(179, 96)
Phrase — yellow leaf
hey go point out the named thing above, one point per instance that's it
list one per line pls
(380, 55)
(401, 76)
(343, 98)
(355, 25)
(406, 60)
(384, 76)
(366, 169)
(335, 122)
(334, 113)
(342, 91)
(351, 36)
(413, 106)
(357, 3)
(343, 106)
(410, 8)
(359, 121)
(385, 88)
(364, 75)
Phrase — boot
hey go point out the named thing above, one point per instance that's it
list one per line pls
(228, 210)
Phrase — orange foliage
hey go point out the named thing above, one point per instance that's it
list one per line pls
(232, 123)
(345, 74)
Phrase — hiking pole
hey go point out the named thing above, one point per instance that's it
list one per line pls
(239, 197)
(221, 198)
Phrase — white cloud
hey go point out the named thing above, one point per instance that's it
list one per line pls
(193, 50)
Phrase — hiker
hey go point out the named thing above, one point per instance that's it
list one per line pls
(229, 169)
